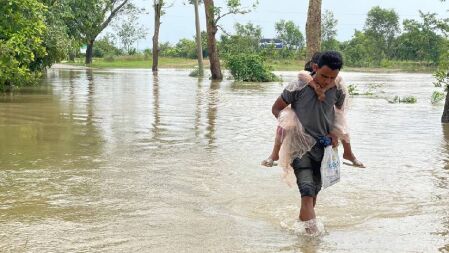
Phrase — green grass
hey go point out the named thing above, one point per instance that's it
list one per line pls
(141, 62)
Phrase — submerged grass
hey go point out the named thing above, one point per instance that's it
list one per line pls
(145, 62)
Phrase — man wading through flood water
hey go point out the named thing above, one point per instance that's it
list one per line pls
(317, 118)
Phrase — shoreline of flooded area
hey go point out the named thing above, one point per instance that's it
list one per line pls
(121, 160)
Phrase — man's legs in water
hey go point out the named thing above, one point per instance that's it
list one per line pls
(308, 177)
(307, 211)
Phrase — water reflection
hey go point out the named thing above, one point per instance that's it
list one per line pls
(212, 112)
(442, 183)
(48, 156)
(156, 108)
(198, 106)
(445, 144)
(304, 244)
(115, 161)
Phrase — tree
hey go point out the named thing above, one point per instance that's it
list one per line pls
(442, 75)
(199, 48)
(56, 37)
(106, 46)
(129, 31)
(88, 18)
(358, 51)
(328, 31)
(158, 12)
(245, 40)
(313, 28)
(248, 30)
(420, 41)
(213, 16)
(382, 26)
(211, 27)
(22, 29)
(290, 34)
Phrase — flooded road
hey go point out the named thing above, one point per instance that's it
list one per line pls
(124, 161)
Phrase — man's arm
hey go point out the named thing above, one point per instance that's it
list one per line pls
(278, 106)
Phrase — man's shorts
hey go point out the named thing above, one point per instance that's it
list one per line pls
(307, 172)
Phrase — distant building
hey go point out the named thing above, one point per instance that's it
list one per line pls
(277, 43)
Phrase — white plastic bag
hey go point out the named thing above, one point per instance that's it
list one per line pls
(330, 167)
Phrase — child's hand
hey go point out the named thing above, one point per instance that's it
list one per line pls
(320, 92)
(307, 78)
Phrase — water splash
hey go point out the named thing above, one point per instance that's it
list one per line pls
(311, 228)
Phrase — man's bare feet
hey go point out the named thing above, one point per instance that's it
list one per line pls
(311, 227)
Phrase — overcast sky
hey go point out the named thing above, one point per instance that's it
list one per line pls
(179, 21)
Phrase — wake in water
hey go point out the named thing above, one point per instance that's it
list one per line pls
(310, 228)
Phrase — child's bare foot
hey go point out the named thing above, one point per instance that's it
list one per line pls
(354, 161)
(269, 162)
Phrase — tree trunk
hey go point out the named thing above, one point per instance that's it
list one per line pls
(445, 116)
(211, 42)
(199, 48)
(89, 52)
(313, 28)
(157, 23)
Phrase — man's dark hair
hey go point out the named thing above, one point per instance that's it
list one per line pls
(332, 59)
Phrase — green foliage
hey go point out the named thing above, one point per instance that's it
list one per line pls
(232, 7)
(441, 79)
(56, 40)
(248, 30)
(437, 97)
(405, 100)
(382, 26)
(352, 90)
(290, 34)
(195, 72)
(105, 47)
(246, 39)
(22, 29)
(186, 48)
(329, 31)
(420, 40)
(249, 68)
(88, 18)
(372, 89)
(129, 31)
(358, 51)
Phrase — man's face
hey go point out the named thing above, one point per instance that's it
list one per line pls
(324, 76)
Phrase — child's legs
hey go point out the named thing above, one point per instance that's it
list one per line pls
(347, 150)
(277, 144)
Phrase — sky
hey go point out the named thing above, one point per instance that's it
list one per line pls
(179, 20)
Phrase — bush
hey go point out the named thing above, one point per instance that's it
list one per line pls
(22, 30)
(405, 100)
(195, 72)
(352, 89)
(105, 47)
(437, 97)
(249, 68)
